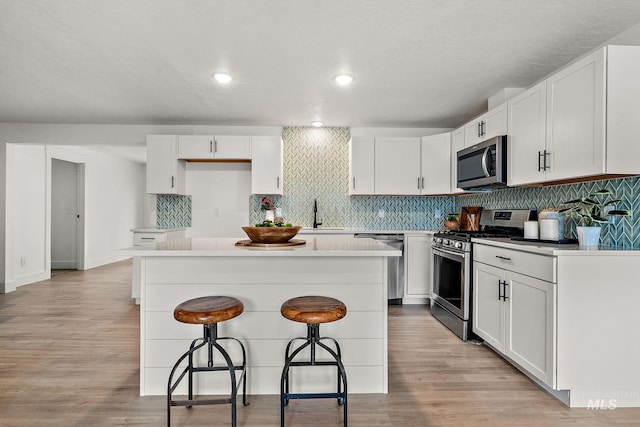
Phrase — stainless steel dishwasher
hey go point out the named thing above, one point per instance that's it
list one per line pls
(395, 266)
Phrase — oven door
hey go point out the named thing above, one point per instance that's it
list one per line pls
(451, 281)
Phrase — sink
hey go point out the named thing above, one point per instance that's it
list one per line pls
(321, 228)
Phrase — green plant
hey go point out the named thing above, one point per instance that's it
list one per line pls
(452, 217)
(591, 210)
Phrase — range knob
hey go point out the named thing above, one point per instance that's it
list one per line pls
(447, 242)
(459, 245)
(439, 240)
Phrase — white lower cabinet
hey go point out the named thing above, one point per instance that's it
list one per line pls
(417, 249)
(515, 313)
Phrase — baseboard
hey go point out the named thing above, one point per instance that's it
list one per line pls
(12, 285)
(89, 264)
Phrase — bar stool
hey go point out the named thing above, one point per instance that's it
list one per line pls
(313, 310)
(208, 311)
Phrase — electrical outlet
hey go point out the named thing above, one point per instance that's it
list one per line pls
(23, 262)
(438, 214)
(216, 212)
(381, 213)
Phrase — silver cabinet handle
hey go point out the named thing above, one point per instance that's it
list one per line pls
(354, 182)
(215, 145)
(503, 257)
(418, 183)
(211, 146)
(172, 180)
(277, 182)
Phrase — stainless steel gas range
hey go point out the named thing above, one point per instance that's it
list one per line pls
(452, 266)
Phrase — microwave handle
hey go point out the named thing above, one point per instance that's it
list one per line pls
(485, 157)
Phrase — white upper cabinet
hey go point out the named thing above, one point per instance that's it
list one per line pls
(210, 147)
(490, 124)
(165, 173)
(266, 165)
(361, 165)
(590, 121)
(576, 119)
(397, 166)
(436, 164)
(457, 144)
(527, 135)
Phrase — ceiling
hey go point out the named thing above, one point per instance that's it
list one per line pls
(417, 63)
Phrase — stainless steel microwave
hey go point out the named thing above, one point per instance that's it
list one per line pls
(484, 165)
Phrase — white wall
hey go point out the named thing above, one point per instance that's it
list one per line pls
(219, 198)
(113, 205)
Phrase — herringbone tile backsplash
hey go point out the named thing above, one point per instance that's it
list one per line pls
(624, 231)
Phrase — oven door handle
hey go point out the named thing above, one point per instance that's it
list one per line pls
(451, 254)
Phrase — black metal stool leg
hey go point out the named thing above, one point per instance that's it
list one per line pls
(313, 338)
(211, 341)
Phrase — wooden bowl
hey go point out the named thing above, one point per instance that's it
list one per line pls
(271, 234)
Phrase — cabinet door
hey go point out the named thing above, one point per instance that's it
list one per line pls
(575, 119)
(473, 132)
(266, 165)
(495, 122)
(165, 174)
(436, 164)
(530, 330)
(527, 134)
(361, 165)
(195, 147)
(232, 147)
(457, 144)
(397, 165)
(488, 309)
(418, 271)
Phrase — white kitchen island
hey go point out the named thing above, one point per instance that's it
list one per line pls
(352, 270)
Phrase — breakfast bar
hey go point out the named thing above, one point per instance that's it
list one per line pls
(351, 270)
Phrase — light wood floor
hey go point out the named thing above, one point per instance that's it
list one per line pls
(69, 357)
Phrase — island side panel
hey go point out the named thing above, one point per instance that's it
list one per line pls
(598, 346)
(263, 283)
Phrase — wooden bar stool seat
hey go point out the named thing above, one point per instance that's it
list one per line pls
(313, 310)
(209, 311)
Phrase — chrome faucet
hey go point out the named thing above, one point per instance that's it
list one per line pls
(315, 214)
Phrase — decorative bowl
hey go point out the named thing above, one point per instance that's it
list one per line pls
(271, 234)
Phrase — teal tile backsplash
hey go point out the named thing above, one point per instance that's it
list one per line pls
(173, 211)
(316, 166)
(624, 232)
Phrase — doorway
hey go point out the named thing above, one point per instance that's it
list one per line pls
(67, 215)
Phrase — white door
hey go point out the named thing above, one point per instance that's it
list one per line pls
(67, 215)
(361, 165)
(530, 337)
(232, 147)
(397, 165)
(488, 308)
(576, 119)
(418, 253)
(527, 135)
(457, 144)
(266, 165)
(195, 147)
(436, 164)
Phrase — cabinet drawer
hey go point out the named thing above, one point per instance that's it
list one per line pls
(533, 265)
(144, 238)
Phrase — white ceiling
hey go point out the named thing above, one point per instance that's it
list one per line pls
(417, 63)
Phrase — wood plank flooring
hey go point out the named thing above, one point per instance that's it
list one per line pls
(69, 357)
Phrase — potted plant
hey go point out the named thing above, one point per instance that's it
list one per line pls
(266, 204)
(452, 221)
(593, 210)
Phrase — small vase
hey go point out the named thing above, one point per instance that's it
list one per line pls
(268, 215)
(588, 236)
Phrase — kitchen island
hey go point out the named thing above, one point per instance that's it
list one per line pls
(352, 270)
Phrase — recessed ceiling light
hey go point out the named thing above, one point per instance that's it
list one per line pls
(317, 123)
(343, 79)
(222, 77)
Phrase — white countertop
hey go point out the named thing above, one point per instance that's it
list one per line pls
(337, 231)
(156, 230)
(552, 249)
(225, 247)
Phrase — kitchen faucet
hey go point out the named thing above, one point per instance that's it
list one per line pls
(315, 214)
